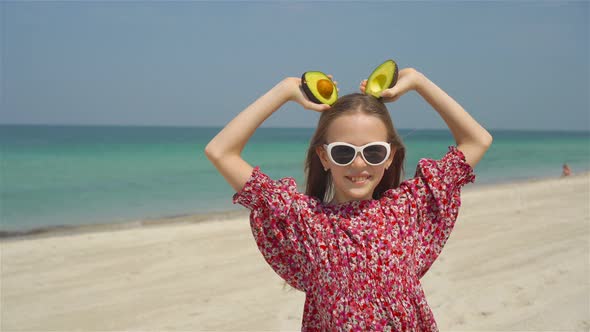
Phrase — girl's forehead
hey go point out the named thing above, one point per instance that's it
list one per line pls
(357, 129)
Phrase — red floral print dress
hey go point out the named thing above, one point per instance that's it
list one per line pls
(359, 262)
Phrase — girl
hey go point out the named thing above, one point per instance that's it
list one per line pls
(358, 241)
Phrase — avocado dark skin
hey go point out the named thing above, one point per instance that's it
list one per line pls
(307, 91)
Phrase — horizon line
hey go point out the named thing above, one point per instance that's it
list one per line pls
(261, 127)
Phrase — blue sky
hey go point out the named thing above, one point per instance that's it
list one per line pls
(512, 65)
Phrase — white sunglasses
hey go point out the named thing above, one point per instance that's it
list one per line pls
(343, 154)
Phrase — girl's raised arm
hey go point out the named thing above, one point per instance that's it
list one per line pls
(471, 138)
(225, 149)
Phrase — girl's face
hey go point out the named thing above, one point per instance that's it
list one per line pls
(357, 129)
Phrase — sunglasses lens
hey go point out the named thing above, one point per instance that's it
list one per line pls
(342, 154)
(375, 154)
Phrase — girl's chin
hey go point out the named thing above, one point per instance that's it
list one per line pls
(358, 194)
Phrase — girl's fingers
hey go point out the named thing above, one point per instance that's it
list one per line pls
(363, 86)
(387, 93)
(315, 107)
(321, 107)
(391, 95)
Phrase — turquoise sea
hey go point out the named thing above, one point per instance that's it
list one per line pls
(78, 175)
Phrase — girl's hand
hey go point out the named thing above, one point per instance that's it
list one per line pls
(408, 79)
(297, 94)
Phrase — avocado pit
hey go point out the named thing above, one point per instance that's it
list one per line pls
(325, 88)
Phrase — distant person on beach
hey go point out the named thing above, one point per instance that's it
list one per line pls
(566, 170)
(359, 240)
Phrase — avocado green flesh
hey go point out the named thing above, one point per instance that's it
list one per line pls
(382, 78)
(310, 82)
(378, 84)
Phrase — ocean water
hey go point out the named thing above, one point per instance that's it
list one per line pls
(79, 175)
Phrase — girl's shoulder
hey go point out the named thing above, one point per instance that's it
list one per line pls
(262, 191)
(449, 172)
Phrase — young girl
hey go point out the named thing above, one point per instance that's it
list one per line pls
(357, 241)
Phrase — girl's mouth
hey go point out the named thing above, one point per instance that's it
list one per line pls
(359, 179)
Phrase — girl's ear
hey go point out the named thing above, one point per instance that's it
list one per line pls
(323, 157)
(390, 159)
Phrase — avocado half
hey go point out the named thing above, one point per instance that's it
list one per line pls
(319, 88)
(382, 78)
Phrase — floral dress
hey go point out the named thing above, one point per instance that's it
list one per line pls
(359, 262)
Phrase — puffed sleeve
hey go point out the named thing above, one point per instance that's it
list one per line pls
(283, 238)
(436, 191)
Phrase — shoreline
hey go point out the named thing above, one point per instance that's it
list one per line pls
(180, 219)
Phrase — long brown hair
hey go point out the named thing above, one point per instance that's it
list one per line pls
(319, 181)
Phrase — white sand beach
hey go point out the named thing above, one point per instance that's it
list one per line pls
(517, 260)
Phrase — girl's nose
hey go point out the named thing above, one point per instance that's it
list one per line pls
(358, 161)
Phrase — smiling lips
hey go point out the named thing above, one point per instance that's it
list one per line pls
(358, 179)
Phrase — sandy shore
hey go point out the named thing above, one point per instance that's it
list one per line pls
(518, 260)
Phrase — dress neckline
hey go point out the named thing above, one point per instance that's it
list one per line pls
(351, 207)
